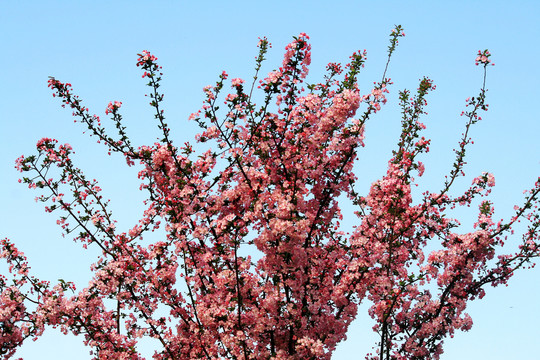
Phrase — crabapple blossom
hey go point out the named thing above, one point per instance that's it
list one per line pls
(113, 107)
(483, 58)
(272, 179)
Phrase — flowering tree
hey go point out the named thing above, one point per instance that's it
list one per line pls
(271, 179)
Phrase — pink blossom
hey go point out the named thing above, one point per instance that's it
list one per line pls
(237, 82)
(113, 107)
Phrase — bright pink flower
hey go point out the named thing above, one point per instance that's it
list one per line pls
(112, 107)
(237, 82)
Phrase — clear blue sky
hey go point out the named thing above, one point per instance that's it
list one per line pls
(94, 47)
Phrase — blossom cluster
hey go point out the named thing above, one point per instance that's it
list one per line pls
(113, 107)
(483, 58)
